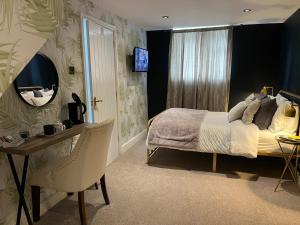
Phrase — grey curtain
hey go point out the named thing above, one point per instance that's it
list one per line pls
(200, 68)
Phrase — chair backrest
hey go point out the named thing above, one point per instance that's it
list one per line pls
(86, 164)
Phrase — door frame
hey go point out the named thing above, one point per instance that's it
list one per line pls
(88, 68)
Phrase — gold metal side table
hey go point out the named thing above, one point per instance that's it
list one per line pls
(288, 155)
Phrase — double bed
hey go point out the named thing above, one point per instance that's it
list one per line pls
(211, 132)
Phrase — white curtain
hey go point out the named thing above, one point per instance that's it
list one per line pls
(200, 68)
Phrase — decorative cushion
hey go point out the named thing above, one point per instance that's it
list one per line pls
(265, 113)
(37, 94)
(250, 98)
(260, 96)
(250, 111)
(254, 96)
(237, 111)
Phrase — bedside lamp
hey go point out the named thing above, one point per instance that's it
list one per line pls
(265, 89)
(290, 111)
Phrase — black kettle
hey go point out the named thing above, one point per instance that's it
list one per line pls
(76, 110)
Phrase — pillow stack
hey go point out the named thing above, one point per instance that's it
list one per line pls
(247, 109)
(267, 112)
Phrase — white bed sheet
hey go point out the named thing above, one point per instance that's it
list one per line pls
(267, 142)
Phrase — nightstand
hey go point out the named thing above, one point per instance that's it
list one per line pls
(289, 154)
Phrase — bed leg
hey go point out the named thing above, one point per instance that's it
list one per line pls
(214, 167)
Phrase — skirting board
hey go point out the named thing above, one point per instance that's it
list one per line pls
(125, 147)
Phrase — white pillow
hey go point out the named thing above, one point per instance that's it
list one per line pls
(250, 111)
(237, 111)
(282, 123)
(48, 93)
(280, 99)
(30, 93)
(271, 97)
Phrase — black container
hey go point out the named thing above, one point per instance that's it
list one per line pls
(49, 129)
(76, 110)
(68, 124)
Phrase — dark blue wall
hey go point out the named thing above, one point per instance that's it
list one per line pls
(256, 60)
(291, 54)
(157, 78)
(40, 71)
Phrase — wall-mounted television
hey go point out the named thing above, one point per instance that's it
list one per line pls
(140, 60)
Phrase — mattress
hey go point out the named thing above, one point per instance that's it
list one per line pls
(267, 142)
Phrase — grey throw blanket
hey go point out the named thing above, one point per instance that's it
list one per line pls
(176, 127)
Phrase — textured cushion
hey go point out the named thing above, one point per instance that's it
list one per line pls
(250, 98)
(282, 123)
(250, 111)
(264, 115)
(260, 96)
(237, 111)
(254, 96)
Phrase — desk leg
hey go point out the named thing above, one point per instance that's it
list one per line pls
(21, 188)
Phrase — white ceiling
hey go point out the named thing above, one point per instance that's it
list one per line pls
(195, 13)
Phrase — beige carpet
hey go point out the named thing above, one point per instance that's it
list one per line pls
(179, 189)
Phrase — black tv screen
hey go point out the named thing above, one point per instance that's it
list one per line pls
(140, 57)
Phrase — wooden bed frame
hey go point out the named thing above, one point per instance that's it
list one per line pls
(290, 96)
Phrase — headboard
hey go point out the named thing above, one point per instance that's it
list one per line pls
(30, 88)
(290, 96)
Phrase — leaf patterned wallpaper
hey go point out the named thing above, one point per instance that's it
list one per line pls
(64, 49)
(25, 25)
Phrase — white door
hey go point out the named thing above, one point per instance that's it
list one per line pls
(100, 68)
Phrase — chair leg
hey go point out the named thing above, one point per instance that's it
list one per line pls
(104, 191)
(35, 198)
(81, 206)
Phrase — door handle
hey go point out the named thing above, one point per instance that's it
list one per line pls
(94, 102)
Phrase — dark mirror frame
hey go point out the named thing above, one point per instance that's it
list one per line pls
(55, 89)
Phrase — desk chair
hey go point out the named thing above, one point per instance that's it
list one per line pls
(82, 169)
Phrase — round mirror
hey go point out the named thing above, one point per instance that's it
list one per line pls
(37, 84)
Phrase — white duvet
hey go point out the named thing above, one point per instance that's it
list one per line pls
(217, 135)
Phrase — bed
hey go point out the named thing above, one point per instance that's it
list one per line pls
(211, 132)
(28, 95)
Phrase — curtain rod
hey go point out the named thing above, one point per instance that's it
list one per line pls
(203, 29)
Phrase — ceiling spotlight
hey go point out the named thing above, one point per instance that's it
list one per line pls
(165, 17)
(247, 10)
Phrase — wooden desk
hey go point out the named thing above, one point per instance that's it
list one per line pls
(32, 145)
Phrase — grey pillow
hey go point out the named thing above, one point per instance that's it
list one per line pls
(237, 111)
(260, 96)
(264, 115)
(250, 111)
(37, 94)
